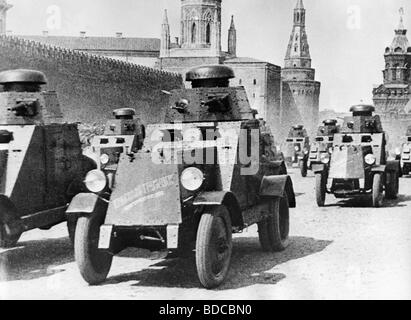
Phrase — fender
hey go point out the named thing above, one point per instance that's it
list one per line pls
(9, 216)
(86, 204)
(318, 167)
(378, 169)
(218, 198)
(275, 186)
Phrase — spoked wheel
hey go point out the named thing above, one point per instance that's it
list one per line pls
(273, 231)
(94, 264)
(392, 185)
(320, 188)
(303, 168)
(214, 247)
(7, 241)
(377, 191)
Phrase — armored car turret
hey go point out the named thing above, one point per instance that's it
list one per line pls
(41, 161)
(201, 176)
(359, 163)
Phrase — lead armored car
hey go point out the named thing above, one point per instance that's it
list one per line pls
(123, 134)
(406, 153)
(297, 148)
(201, 176)
(321, 149)
(41, 161)
(359, 164)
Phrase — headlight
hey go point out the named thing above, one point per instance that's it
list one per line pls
(192, 179)
(397, 151)
(104, 159)
(297, 148)
(330, 150)
(325, 158)
(306, 151)
(370, 159)
(95, 181)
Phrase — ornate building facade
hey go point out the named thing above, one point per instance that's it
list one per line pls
(392, 98)
(301, 93)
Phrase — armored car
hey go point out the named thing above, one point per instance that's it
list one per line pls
(41, 162)
(201, 176)
(297, 148)
(359, 165)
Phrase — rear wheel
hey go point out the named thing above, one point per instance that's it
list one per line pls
(94, 264)
(7, 241)
(303, 168)
(214, 247)
(273, 231)
(392, 185)
(320, 188)
(377, 188)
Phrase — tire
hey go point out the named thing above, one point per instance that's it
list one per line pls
(214, 247)
(377, 187)
(303, 168)
(273, 231)
(392, 185)
(320, 188)
(7, 241)
(71, 228)
(94, 264)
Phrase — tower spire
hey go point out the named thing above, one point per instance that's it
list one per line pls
(300, 4)
(4, 7)
(232, 39)
(165, 36)
(401, 24)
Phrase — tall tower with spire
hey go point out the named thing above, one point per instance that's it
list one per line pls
(301, 93)
(393, 95)
(4, 7)
(165, 37)
(232, 39)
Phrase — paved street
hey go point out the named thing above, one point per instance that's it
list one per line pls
(344, 251)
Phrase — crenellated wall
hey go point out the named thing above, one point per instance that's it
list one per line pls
(89, 86)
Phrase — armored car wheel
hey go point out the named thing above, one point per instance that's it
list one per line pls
(214, 247)
(320, 188)
(7, 241)
(303, 168)
(377, 191)
(94, 264)
(392, 185)
(273, 231)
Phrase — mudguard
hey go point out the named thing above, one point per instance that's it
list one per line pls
(85, 204)
(275, 186)
(318, 167)
(9, 216)
(218, 198)
(379, 169)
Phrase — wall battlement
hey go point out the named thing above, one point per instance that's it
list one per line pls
(91, 86)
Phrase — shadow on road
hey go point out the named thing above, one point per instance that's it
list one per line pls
(35, 259)
(249, 266)
(365, 202)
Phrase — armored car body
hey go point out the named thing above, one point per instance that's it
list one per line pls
(41, 161)
(359, 165)
(201, 176)
(297, 148)
(406, 153)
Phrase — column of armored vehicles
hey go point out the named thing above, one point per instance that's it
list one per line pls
(208, 171)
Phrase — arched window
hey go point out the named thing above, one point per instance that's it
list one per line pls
(394, 74)
(240, 82)
(208, 33)
(194, 33)
(255, 81)
(398, 50)
(298, 17)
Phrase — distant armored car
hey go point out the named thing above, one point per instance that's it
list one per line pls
(297, 148)
(359, 164)
(41, 161)
(201, 176)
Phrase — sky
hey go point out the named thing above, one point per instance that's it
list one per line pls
(347, 38)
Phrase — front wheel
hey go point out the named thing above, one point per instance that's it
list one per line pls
(320, 188)
(377, 188)
(303, 168)
(273, 231)
(94, 264)
(214, 247)
(392, 185)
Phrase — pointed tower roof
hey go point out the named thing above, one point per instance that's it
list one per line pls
(165, 17)
(400, 43)
(300, 4)
(232, 25)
